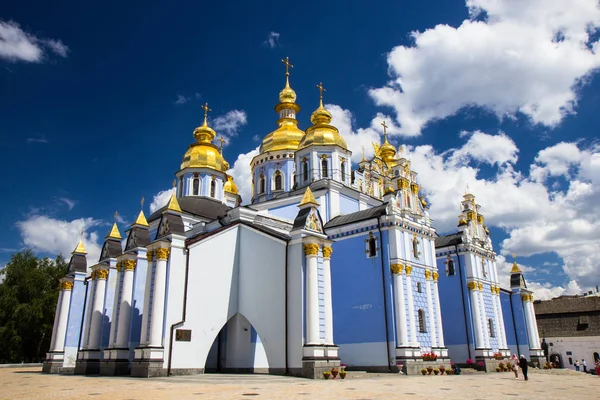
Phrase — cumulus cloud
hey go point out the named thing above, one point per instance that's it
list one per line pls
(51, 236)
(18, 45)
(242, 174)
(357, 140)
(161, 199)
(272, 40)
(510, 57)
(229, 124)
(491, 149)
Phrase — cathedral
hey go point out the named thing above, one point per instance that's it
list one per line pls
(326, 264)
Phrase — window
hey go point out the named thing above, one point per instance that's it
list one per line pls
(262, 184)
(180, 187)
(483, 271)
(305, 169)
(415, 244)
(419, 288)
(491, 326)
(324, 172)
(450, 270)
(213, 185)
(371, 246)
(278, 181)
(295, 182)
(422, 326)
(196, 187)
(343, 167)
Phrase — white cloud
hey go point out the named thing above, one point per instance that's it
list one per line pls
(242, 174)
(161, 199)
(229, 124)
(52, 236)
(491, 149)
(181, 99)
(556, 160)
(511, 57)
(272, 40)
(356, 140)
(70, 203)
(18, 45)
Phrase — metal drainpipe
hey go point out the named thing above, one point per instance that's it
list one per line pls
(462, 291)
(184, 311)
(387, 336)
(85, 282)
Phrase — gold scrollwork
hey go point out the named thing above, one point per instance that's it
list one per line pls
(435, 276)
(397, 268)
(162, 254)
(93, 275)
(472, 285)
(480, 286)
(67, 285)
(415, 188)
(327, 251)
(149, 255)
(427, 275)
(408, 270)
(129, 265)
(118, 266)
(311, 249)
(527, 297)
(101, 273)
(493, 289)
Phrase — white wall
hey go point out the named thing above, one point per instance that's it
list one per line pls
(580, 347)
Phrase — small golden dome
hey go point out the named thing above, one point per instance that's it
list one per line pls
(287, 94)
(462, 222)
(321, 133)
(230, 186)
(286, 137)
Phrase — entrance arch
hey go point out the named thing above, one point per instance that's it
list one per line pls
(237, 348)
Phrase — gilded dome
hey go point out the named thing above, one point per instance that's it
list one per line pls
(321, 133)
(387, 151)
(230, 186)
(286, 137)
(287, 94)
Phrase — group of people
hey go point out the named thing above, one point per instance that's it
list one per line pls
(580, 365)
(516, 363)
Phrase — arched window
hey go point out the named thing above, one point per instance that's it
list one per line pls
(324, 171)
(415, 243)
(196, 187)
(491, 326)
(371, 246)
(450, 270)
(213, 185)
(278, 181)
(343, 168)
(419, 288)
(305, 169)
(180, 187)
(483, 271)
(262, 184)
(422, 326)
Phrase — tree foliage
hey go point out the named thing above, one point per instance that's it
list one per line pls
(28, 296)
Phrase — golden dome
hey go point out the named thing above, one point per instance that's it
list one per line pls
(230, 186)
(321, 133)
(203, 153)
(287, 94)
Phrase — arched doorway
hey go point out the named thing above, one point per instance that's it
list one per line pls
(556, 358)
(237, 349)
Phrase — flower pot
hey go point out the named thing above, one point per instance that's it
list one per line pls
(424, 372)
(326, 374)
(343, 375)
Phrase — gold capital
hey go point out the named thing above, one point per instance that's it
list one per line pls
(118, 266)
(162, 254)
(311, 249)
(408, 270)
(397, 268)
(472, 285)
(427, 275)
(129, 265)
(327, 251)
(149, 255)
(435, 276)
(480, 286)
(67, 285)
(101, 274)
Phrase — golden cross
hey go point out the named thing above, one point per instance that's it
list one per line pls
(514, 255)
(116, 215)
(384, 127)
(221, 141)
(142, 201)
(206, 110)
(321, 90)
(287, 65)
(82, 232)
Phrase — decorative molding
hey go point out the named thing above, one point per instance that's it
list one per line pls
(101, 274)
(118, 266)
(480, 286)
(327, 250)
(427, 275)
(311, 249)
(472, 285)
(527, 297)
(150, 255)
(129, 265)
(408, 270)
(67, 285)
(397, 268)
(435, 276)
(162, 254)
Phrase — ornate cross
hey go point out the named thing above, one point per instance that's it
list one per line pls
(221, 141)
(321, 90)
(206, 110)
(384, 127)
(142, 202)
(174, 183)
(287, 65)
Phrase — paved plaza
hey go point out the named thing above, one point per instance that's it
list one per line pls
(30, 383)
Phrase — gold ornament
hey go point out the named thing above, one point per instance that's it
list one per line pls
(397, 268)
(311, 249)
(118, 266)
(67, 285)
(162, 254)
(435, 276)
(472, 285)
(327, 251)
(480, 286)
(149, 255)
(129, 265)
(408, 270)
(101, 274)
(427, 275)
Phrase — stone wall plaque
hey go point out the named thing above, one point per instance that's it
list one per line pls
(183, 335)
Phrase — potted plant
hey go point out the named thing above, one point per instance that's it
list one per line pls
(481, 366)
(498, 356)
(442, 369)
(501, 366)
(424, 371)
(450, 372)
(430, 369)
(343, 374)
(470, 363)
(436, 371)
(326, 374)
(498, 369)
(334, 372)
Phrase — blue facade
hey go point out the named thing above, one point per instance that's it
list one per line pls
(514, 321)
(137, 302)
(75, 311)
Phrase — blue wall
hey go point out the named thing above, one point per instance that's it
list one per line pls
(514, 323)
(75, 311)
(348, 205)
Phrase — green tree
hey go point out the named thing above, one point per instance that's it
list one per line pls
(28, 296)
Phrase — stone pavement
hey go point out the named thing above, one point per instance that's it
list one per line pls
(29, 383)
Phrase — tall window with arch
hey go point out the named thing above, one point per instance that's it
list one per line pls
(343, 170)
(491, 327)
(213, 186)
(324, 169)
(483, 270)
(415, 245)
(196, 186)
(422, 326)
(261, 184)
(305, 169)
(371, 246)
(450, 270)
(278, 180)
(419, 287)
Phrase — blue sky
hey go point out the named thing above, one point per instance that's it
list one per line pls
(99, 102)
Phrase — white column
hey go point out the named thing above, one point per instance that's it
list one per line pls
(530, 319)
(473, 289)
(311, 251)
(534, 323)
(158, 298)
(125, 306)
(89, 312)
(101, 275)
(498, 320)
(56, 316)
(399, 306)
(501, 318)
(411, 309)
(430, 312)
(115, 319)
(327, 300)
(438, 311)
(61, 327)
(485, 327)
(144, 337)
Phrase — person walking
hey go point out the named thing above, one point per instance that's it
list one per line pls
(514, 365)
(524, 366)
(577, 365)
(584, 365)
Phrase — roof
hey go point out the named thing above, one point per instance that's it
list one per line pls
(449, 240)
(201, 206)
(568, 304)
(362, 215)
